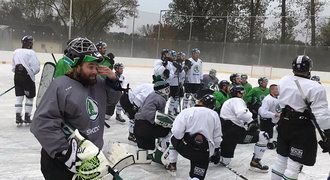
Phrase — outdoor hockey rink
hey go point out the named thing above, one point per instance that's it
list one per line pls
(20, 151)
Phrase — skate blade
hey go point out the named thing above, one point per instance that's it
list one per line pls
(258, 170)
(172, 173)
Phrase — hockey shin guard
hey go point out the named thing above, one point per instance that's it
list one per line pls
(171, 106)
(261, 146)
(185, 100)
(279, 167)
(119, 109)
(19, 104)
(28, 105)
(292, 170)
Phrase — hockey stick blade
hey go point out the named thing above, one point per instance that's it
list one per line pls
(123, 163)
(234, 171)
(7, 90)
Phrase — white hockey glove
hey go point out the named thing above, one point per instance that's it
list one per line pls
(85, 159)
(164, 120)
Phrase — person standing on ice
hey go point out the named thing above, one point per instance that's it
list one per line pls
(196, 135)
(302, 100)
(77, 99)
(193, 78)
(162, 65)
(237, 120)
(25, 66)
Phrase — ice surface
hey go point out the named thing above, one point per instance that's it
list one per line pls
(20, 151)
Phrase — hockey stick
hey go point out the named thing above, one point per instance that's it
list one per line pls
(313, 119)
(234, 171)
(54, 59)
(7, 91)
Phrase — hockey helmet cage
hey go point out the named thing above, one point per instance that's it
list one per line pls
(82, 50)
(206, 97)
(302, 64)
(233, 77)
(27, 41)
(261, 80)
(236, 89)
(118, 65)
(100, 44)
(223, 83)
(195, 50)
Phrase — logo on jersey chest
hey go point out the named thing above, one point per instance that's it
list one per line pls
(92, 108)
(196, 69)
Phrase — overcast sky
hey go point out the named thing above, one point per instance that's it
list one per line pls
(153, 6)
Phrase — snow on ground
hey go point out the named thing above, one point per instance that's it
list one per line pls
(20, 151)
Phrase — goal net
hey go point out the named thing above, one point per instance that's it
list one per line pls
(261, 71)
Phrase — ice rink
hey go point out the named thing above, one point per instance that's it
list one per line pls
(20, 151)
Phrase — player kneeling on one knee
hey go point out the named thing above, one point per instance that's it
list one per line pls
(237, 120)
(145, 128)
(197, 132)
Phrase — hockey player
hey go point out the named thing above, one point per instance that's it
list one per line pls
(222, 95)
(161, 67)
(194, 75)
(269, 115)
(256, 95)
(77, 99)
(119, 69)
(175, 81)
(145, 129)
(25, 66)
(296, 141)
(237, 119)
(247, 86)
(131, 101)
(235, 79)
(210, 80)
(63, 65)
(196, 135)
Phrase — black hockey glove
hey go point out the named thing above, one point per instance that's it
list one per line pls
(253, 126)
(188, 63)
(177, 66)
(69, 157)
(325, 145)
(215, 158)
(165, 62)
(166, 73)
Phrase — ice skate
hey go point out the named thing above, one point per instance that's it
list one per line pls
(171, 168)
(27, 119)
(120, 119)
(19, 120)
(255, 165)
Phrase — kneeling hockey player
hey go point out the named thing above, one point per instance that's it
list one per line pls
(237, 119)
(196, 135)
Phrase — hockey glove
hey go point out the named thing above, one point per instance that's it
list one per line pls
(165, 62)
(215, 158)
(253, 126)
(85, 159)
(166, 73)
(188, 63)
(325, 145)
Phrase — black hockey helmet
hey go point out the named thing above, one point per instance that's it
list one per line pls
(302, 65)
(261, 80)
(236, 89)
(27, 42)
(206, 97)
(195, 50)
(100, 44)
(316, 78)
(118, 65)
(82, 50)
(163, 52)
(223, 83)
(232, 77)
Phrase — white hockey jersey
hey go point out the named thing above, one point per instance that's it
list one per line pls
(235, 110)
(314, 92)
(28, 58)
(173, 80)
(269, 107)
(195, 73)
(159, 68)
(199, 120)
(138, 94)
